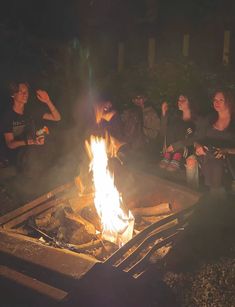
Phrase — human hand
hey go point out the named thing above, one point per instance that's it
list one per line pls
(220, 153)
(170, 149)
(200, 150)
(40, 140)
(164, 108)
(43, 96)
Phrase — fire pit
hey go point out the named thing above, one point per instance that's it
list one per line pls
(47, 245)
(30, 252)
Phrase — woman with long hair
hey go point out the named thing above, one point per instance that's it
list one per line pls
(177, 130)
(215, 140)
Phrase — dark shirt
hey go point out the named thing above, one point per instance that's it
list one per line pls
(178, 132)
(209, 136)
(15, 123)
(23, 127)
(114, 127)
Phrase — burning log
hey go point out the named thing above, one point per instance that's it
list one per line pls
(161, 209)
(75, 218)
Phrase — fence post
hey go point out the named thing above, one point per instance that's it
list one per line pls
(226, 49)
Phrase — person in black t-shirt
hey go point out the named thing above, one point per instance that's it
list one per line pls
(18, 126)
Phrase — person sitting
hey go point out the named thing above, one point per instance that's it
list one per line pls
(177, 130)
(18, 126)
(108, 124)
(141, 124)
(215, 140)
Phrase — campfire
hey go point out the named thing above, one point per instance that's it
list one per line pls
(93, 218)
(117, 225)
(100, 220)
(66, 236)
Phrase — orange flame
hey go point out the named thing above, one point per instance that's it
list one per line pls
(117, 226)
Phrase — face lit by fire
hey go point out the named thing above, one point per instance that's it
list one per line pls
(183, 103)
(102, 111)
(21, 97)
(219, 102)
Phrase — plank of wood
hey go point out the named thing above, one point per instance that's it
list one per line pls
(42, 207)
(61, 261)
(11, 215)
(32, 284)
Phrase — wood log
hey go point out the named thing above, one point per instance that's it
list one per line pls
(161, 209)
(79, 202)
(81, 221)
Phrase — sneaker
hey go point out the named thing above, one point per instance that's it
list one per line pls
(173, 166)
(164, 163)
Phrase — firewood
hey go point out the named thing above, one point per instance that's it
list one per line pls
(81, 221)
(161, 209)
(79, 202)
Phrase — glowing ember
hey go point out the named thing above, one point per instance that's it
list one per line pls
(117, 226)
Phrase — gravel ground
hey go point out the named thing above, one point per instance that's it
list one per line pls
(201, 270)
(212, 285)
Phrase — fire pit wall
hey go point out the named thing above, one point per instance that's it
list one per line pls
(150, 191)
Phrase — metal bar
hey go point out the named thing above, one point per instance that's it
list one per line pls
(140, 264)
(38, 201)
(126, 262)
(32, 284)
(23, 217)
(139, 237)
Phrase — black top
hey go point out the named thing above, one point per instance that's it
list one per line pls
(114, 127)
(207, 135)
(23, 127)
(178, 132)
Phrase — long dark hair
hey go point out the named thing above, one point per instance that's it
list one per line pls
(229, 101)
(192, 100)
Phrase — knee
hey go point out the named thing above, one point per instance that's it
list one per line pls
(191, 162)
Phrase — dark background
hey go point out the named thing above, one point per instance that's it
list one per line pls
(71, 47)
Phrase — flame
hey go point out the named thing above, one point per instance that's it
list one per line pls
(117, 226)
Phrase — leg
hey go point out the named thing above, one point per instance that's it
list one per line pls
(174, 165)
(192, 176)
(166, 160)
(213, 170)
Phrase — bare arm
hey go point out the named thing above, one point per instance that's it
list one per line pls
(13, 144)
(54, 114)
(221, 153)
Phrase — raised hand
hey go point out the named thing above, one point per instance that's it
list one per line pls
(43, 96)
(220, 153)
(164, 108)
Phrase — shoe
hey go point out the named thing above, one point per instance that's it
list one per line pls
(164, 163)
(173, 166)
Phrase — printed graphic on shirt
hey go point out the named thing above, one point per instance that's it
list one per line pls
(18, 128)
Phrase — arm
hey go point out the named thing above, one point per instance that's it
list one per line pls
(164, 119)
(221, 153)
(13, 144)
(54, 114)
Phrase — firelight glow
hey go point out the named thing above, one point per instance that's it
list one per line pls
(117, 226)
